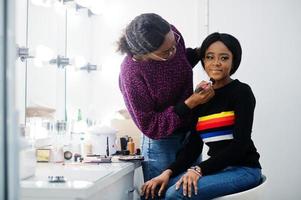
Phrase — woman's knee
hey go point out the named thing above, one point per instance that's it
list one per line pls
(172, 193)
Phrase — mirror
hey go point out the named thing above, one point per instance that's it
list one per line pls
(46, 40)
(72, 31)
(79, 50)
(41, 29)
(51, 30)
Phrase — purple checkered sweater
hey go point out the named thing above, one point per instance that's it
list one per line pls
(152, 89)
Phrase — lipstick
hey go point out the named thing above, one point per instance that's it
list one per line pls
(199, 89)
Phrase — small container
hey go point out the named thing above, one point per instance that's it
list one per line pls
(131, 146)
(87, 148)
(67, 155)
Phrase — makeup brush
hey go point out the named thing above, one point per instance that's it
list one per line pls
(199, 89)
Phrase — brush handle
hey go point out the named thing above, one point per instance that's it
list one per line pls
(199, 89)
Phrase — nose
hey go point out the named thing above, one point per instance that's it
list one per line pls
(172, 51)
(216, 62)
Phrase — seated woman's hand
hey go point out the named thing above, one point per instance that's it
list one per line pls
(189, 180)
(159, 181)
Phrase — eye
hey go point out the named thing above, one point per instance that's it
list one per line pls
(224, 58)
(168, 51)
(165, 53)
(209, 57)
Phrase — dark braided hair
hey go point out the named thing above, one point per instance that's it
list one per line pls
(144, 34)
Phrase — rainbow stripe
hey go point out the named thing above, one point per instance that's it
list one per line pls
(217, 136)
(217, 122)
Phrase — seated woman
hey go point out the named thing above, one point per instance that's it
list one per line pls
(225, 124)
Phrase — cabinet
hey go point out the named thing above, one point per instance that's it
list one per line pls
(112, 181)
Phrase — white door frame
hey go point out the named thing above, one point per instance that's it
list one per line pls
(9, 166)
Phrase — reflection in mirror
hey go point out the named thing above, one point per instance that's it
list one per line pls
(45, 82)
(80, 51)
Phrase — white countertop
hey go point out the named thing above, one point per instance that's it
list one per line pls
(82, 180)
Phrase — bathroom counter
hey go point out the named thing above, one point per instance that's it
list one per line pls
(105, 181)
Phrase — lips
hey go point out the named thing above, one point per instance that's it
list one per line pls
(216, 70)
(215, 73)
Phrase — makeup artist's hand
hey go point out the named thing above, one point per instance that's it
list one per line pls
(201, 97)
(149, 188)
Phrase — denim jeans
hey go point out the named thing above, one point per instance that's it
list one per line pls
(159, 154)
(228, 181)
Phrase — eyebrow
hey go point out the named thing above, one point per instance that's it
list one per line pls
(221, 54)
(167, 50)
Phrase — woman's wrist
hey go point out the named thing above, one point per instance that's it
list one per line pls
(196, 169)
(168, 172)
(190, 102)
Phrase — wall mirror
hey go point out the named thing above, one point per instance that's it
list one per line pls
(84, 33)
(59, 61)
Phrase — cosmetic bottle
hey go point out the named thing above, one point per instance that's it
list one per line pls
(131, 146)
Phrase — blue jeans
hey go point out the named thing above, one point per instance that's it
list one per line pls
(159, 154)
(228, 181)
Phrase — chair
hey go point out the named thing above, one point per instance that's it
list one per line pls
(251, 194)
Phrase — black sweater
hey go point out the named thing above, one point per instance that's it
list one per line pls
(225, 125)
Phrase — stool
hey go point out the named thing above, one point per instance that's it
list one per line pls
(251, 194)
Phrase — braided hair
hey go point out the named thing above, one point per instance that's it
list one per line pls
(144, 34)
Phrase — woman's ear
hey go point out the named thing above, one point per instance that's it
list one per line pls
(231, 70)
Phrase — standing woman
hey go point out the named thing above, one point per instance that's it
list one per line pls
(156, 84)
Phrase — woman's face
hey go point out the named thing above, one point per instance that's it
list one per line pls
(218, 62)
(168, 49)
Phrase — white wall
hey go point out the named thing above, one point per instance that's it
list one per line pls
(269, 32)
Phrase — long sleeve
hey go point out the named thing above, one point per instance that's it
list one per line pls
(154, 92)
(188, 155)
(152, 120)
(241, 143)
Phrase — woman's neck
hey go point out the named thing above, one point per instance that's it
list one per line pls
(221, 83)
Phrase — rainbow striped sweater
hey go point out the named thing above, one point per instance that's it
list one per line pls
(225, 125)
